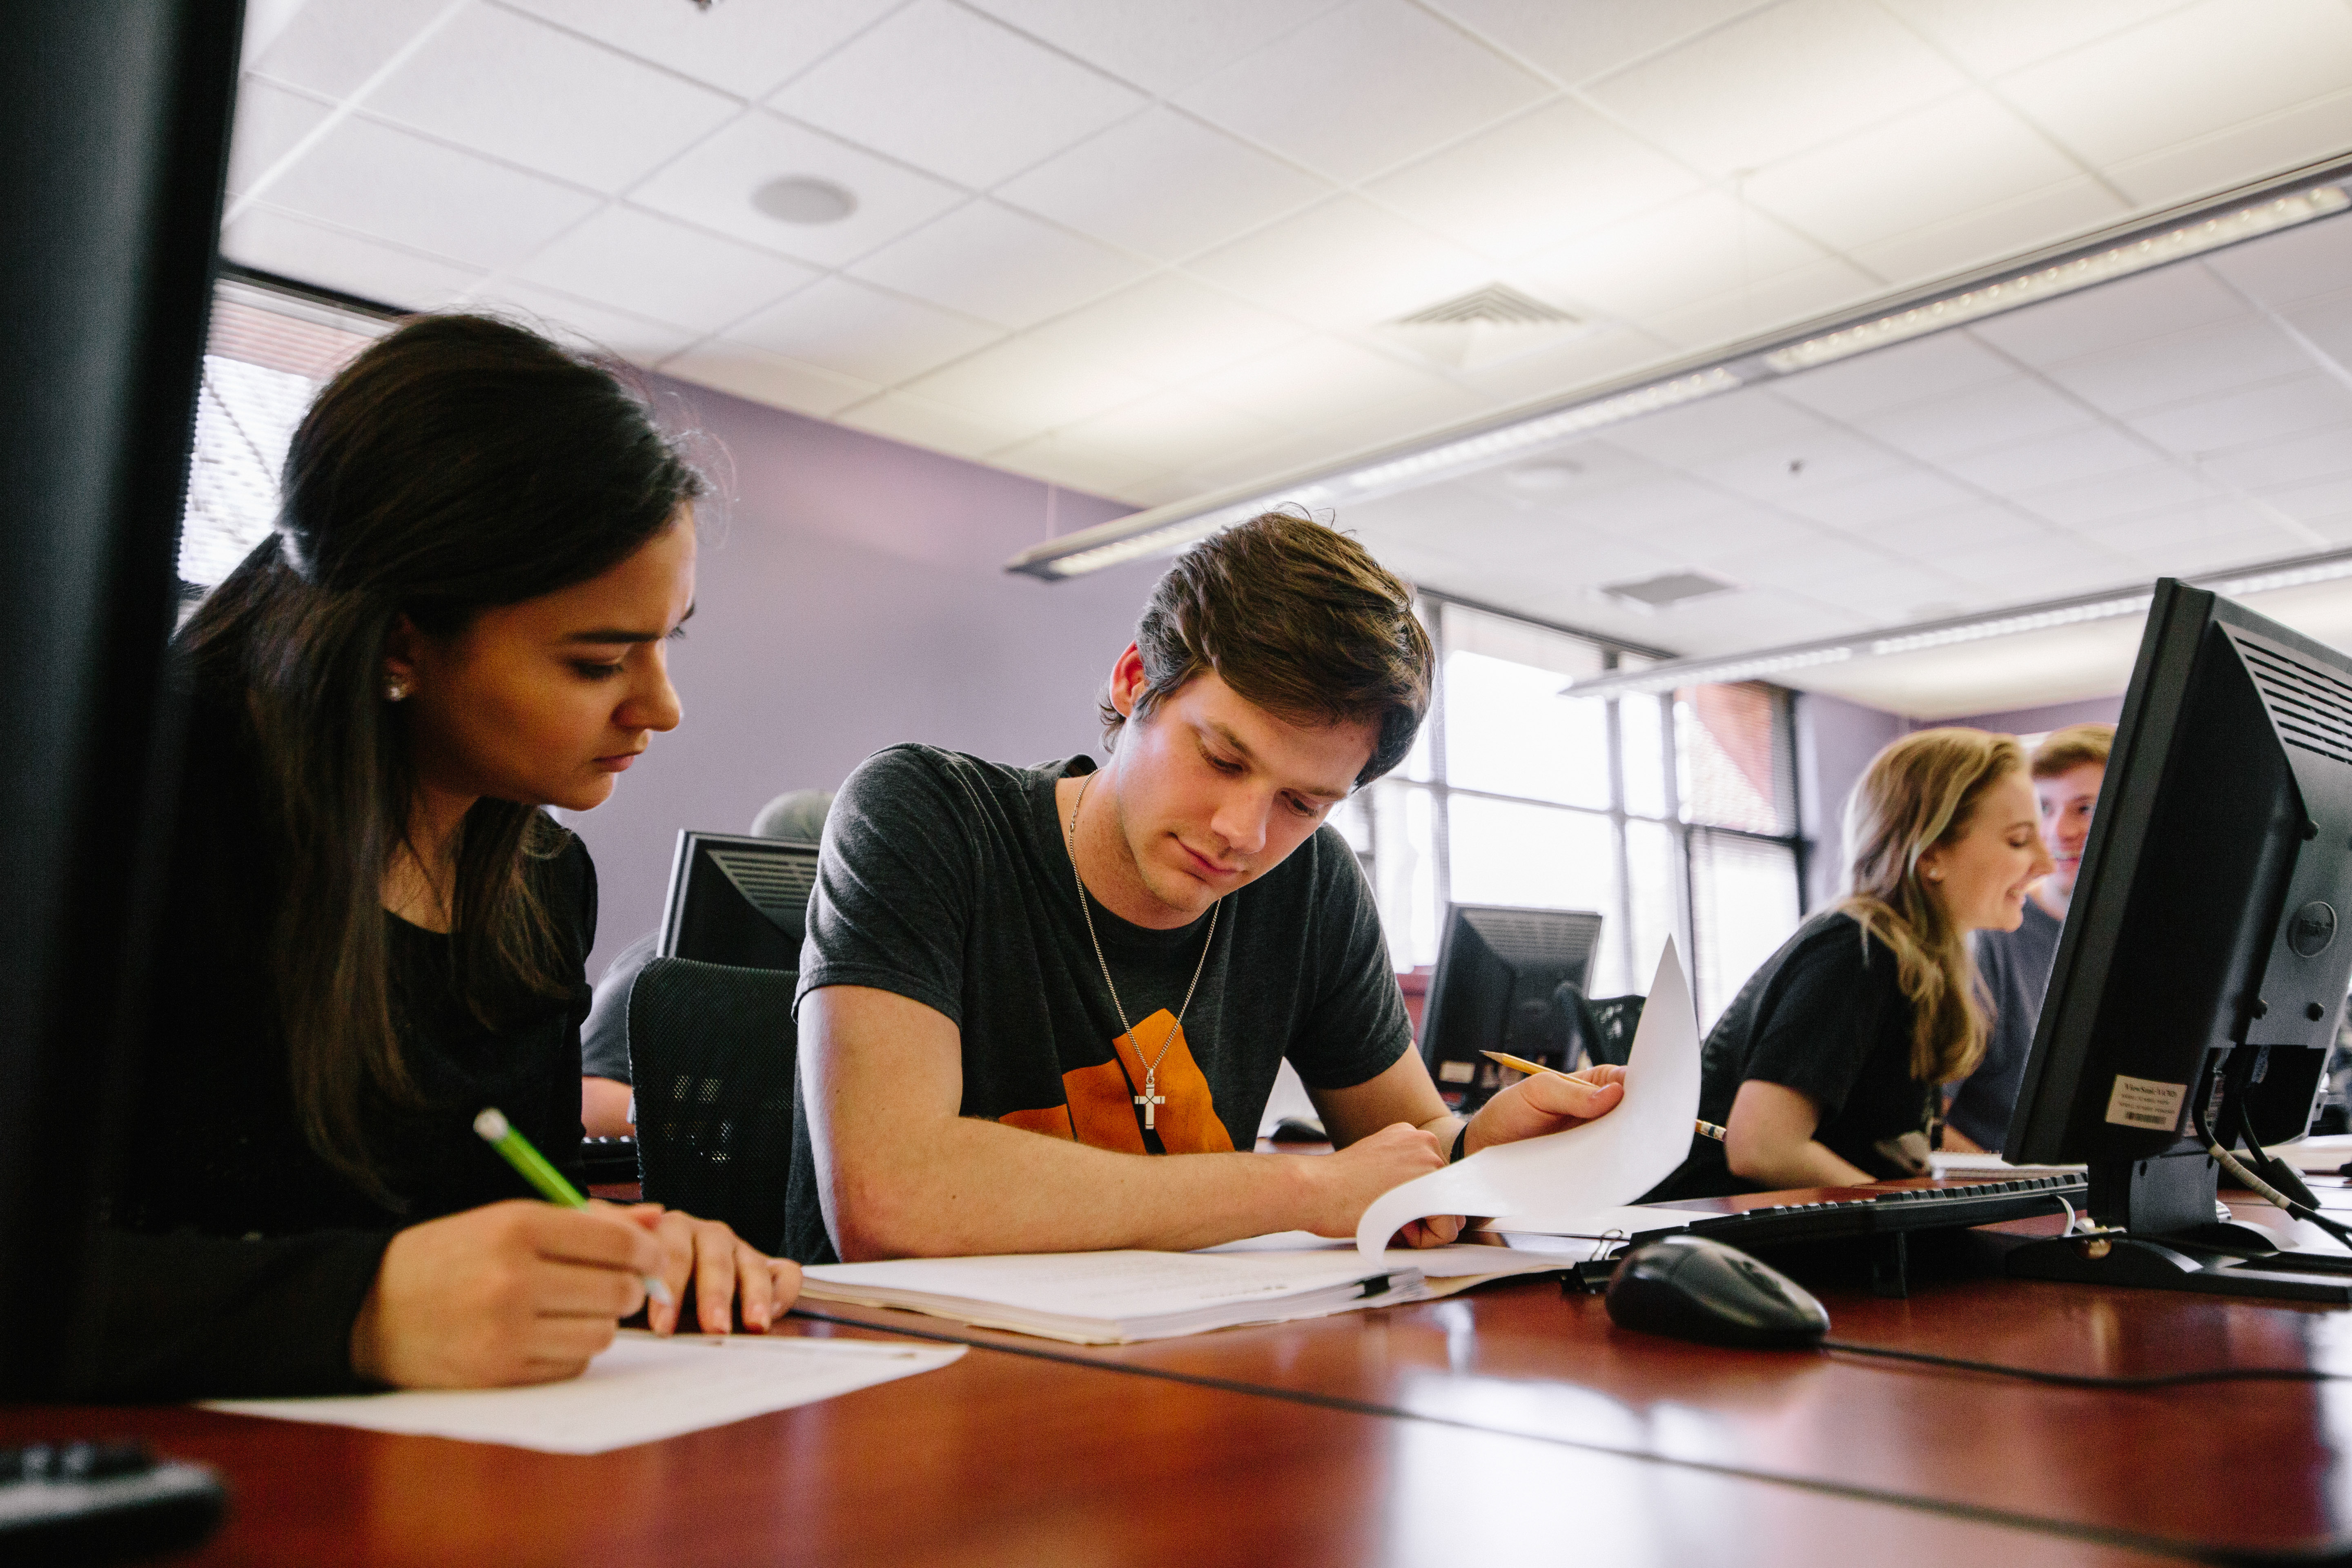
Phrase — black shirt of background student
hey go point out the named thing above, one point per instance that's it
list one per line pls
(270, 1249)
(946, 879)
(1824, 1016)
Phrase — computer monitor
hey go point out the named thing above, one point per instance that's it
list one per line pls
(2204, 959)
(738, 900)
(1496, 971)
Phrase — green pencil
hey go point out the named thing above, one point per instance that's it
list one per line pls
(545, 1179)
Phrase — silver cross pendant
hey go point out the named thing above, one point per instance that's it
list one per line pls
(1151, 1102)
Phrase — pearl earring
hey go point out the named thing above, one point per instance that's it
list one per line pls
(395, 690)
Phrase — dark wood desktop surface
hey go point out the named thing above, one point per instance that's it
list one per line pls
(1006, 1458)
(2239, 1467)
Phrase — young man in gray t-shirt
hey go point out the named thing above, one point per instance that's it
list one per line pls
(1041, 1008)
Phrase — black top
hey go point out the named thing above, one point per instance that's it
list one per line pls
(2016, 967)
(218, 1177)
(1825, 1016)
(946, 879)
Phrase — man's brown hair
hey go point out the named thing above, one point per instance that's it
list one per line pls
(2063, 750)
(1296, 617)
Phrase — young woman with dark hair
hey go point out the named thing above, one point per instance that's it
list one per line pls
(484, 548)
(1827, 1069)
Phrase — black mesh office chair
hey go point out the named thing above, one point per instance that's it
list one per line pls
(1603, 1028)
(711, 1050)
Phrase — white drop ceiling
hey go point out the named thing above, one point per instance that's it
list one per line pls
(1148, 248)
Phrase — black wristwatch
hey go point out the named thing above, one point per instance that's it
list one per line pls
(1460, 1140)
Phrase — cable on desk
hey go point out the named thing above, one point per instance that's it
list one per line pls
(2084, 1380)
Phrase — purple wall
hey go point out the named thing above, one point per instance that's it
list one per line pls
(850, 594)
(1835, 740)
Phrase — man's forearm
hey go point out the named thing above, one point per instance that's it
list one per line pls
(972, 1186)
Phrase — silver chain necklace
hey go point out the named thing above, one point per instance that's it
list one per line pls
(1151, 1100)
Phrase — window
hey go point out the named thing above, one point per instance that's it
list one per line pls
(1672, 816)
(266, 355)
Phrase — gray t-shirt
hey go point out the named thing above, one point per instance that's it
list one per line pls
(2016, 968)
(945, 878)
(604, 1037)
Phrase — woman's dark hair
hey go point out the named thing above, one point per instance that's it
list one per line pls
(457, 464)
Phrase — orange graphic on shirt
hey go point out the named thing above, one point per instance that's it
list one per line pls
(1098, 1105)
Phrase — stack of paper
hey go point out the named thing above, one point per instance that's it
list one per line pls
(1115, 1298)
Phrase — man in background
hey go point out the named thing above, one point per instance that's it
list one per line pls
(607, 1091)
(2068, 767)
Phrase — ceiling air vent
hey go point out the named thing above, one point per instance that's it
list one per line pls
(1483, 326)
(1661, 593)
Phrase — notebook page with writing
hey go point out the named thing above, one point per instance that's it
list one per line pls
(1545, 1183)
(643, 1388)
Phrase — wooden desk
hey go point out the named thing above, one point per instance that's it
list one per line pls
(1007, 1458)
(2236, 1468)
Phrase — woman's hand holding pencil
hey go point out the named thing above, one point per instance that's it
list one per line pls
(1534, 1069)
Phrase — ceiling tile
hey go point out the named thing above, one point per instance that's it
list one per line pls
(333, 46)
(1002, 266)
(2312, 132)
(1559, 171)
(712, 186)
(2034, 465)
(2329, 501)
(1891, 377)
(1988, 236)
(1599, 353)
(1363, 87)
(1631, 511)
(1030, 386)
(1950, 157)
(1331, 383)
(373, 179)
(1668, 257)
(1729, 532)
(1718, 427)
(277, 242)
(1575, 40)
(2152, 487)
(2116, 317)
(927, 422)
(654, 268)
(1906, 492)
(595, 328)
(2314, 455)
(1160, 48)
(1787, 473)
(956, 94)
(1059, 461)
(2310, 262)
(1344, 264)
(529, 93)
(1788, 77)
(2325, 326)
(2185, 74)
(1164, 184)
(1993, 36)
(1169, 430)
(1990, 548)
(1974, 421)
(270, 121)
(2194, 364)
(1167, 328)
(1779, 302)
(855, 331)
(2257, 415)
(2198, 523)
(745, 49)
(773, 379)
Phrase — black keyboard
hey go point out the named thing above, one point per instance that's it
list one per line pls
(1904, 1209)
(99, 1502)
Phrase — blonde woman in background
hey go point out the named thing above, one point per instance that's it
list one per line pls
(1827, 1067)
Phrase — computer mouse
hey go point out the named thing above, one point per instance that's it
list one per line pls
(1299, 1130)
(1693, 1288)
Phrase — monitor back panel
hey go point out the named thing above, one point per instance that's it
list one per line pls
(739, 900)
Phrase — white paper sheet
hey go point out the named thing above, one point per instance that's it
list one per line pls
(1595, 1224)
(1543, 1182)
(643, 1388)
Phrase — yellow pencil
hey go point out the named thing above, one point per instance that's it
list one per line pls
(1521, 1064)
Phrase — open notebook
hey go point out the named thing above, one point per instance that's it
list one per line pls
(1113, 1297)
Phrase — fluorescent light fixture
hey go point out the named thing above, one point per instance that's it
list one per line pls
(1164, 530)
(2082, 272)
(2265, 578)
